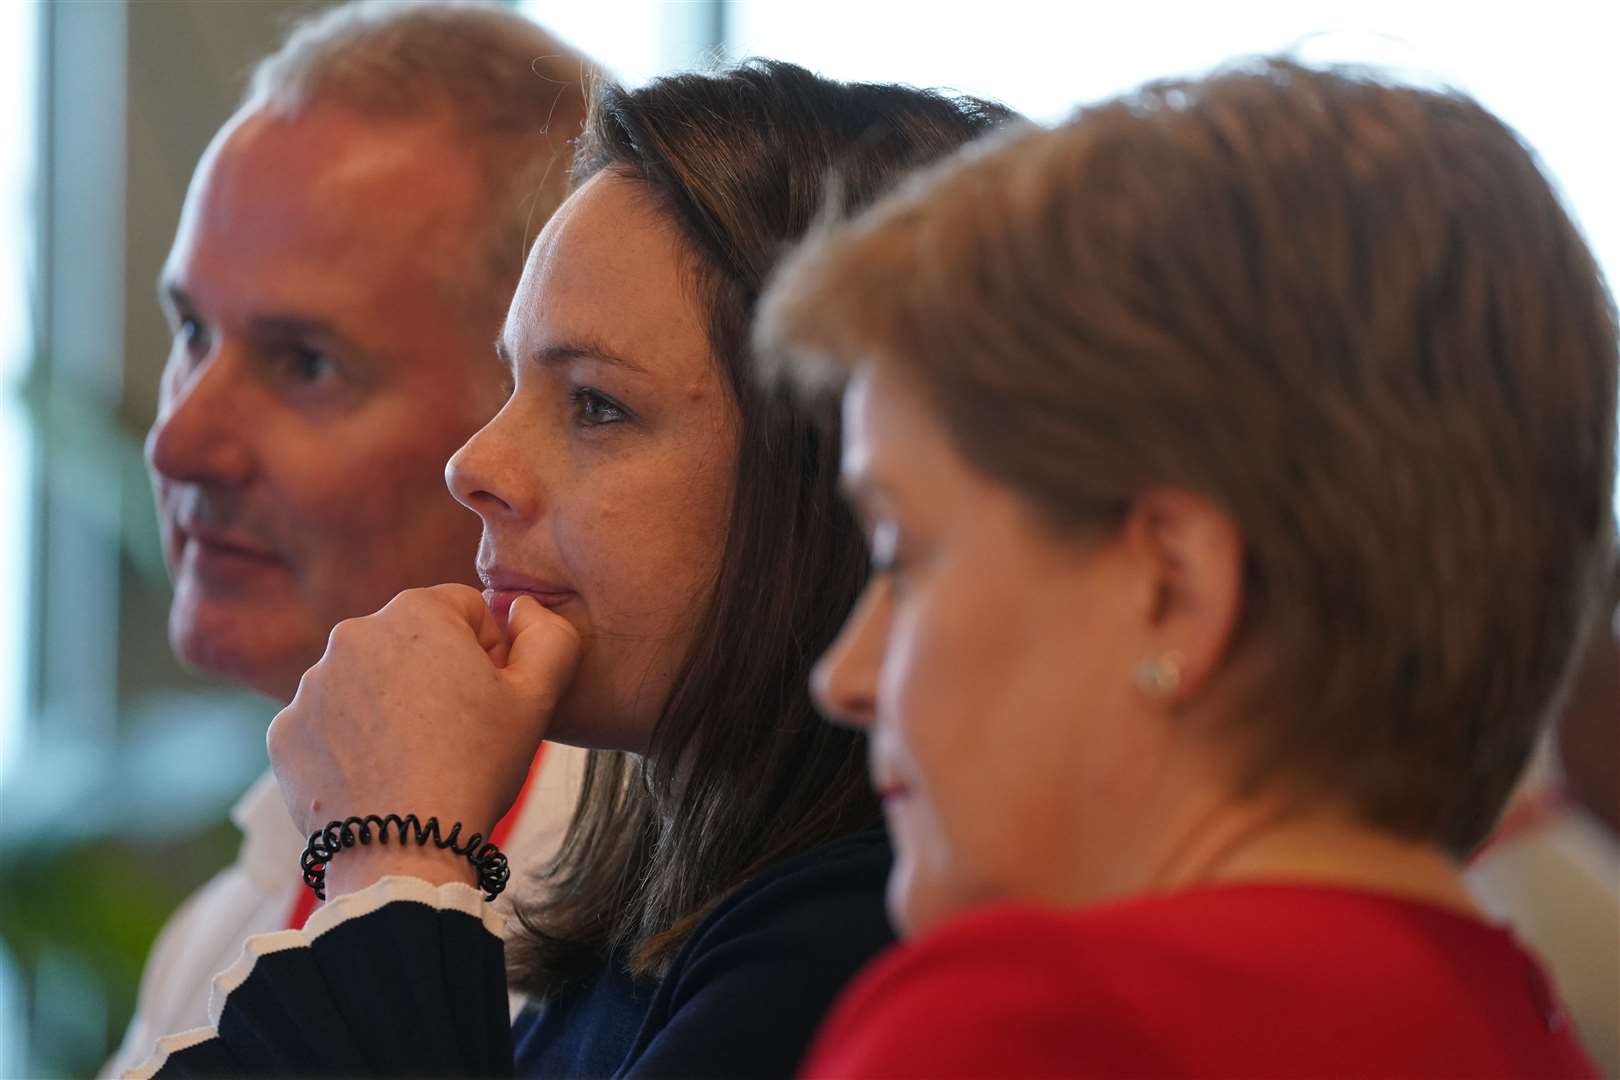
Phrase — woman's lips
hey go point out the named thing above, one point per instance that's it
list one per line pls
(500, 600)
(890, 791)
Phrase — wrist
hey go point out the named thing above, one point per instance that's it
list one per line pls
(356, 851)
(357, 868)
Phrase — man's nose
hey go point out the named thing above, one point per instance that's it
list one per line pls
(201, 435)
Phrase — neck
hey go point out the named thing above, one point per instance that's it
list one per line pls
(1270, 839)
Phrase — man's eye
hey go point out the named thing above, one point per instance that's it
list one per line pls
(593, 409)
(308, 365)
(192, 334)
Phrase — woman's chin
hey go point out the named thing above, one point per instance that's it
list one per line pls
(576, 724)
(916, 902)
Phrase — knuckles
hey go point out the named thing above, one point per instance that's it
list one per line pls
(282, 738)
(346, 636)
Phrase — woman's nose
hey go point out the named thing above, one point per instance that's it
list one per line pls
(844, 682)
(486, 474)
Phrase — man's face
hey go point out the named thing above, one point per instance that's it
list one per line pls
(324, 368)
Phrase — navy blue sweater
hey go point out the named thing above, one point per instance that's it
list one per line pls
(745, 993)
(411, 990)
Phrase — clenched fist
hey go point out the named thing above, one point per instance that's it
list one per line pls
(426, 707)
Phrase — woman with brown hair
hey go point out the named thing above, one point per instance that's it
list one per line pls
(1237, 463)
(665, 555)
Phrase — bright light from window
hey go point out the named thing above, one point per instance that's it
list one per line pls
(1547, 75)
(634, 39)
(19, 25)
(18, 43)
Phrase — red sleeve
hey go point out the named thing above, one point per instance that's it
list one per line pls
(980, 998)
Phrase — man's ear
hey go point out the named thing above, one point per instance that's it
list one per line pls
(1192, 554)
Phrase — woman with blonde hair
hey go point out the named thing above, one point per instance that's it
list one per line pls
(1237, 464)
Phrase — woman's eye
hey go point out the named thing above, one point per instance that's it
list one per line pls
(884, 549)
(593, 409)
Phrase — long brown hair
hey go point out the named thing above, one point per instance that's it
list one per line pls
(740, 771)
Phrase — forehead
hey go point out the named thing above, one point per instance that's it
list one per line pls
(327, 210)
(886, 421)
(611, 268)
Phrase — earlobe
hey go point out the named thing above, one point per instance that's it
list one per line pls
(1194, 552)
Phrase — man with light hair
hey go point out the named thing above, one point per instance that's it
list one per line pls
(344, 260)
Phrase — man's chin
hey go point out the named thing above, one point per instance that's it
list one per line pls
(236, 654)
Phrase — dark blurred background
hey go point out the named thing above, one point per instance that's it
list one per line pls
(116, 767)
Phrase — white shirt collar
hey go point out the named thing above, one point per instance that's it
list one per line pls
(271, 843)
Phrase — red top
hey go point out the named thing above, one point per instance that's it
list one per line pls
(1224, 981)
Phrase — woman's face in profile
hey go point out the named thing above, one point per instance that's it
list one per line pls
(991, 661)
(604, 483)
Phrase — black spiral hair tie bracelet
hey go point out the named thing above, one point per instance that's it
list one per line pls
(487, 859)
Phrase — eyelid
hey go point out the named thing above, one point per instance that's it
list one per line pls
(884, 543)
(173, 307)
(190, 330)
(287, 366)
(580, 396)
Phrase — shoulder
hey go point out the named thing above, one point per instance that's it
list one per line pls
(1262, 979)
(821, 911)
(993, 993)
(750, 986)
(1010, 953)
(848, 872)
(1031, 991)
(823, 908)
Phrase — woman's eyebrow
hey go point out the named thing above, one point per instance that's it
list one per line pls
(566, 351)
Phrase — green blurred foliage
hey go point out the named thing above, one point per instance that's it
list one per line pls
(95, 904)
(81, 901)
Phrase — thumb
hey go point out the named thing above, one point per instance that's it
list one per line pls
(544, 652)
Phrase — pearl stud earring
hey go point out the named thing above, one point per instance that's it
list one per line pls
(1159, 676)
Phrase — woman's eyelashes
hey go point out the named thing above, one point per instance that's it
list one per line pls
(592, 408)
(884, 549)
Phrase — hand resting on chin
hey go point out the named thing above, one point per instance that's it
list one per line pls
(425, 707)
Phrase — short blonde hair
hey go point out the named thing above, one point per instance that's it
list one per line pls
(1352, 313)
(515, 92)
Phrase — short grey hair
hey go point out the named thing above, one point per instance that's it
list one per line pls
(516, 93)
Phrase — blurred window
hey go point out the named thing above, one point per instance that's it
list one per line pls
(19, 25)
(1545, 71)
(634, 39)
(19, 42)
